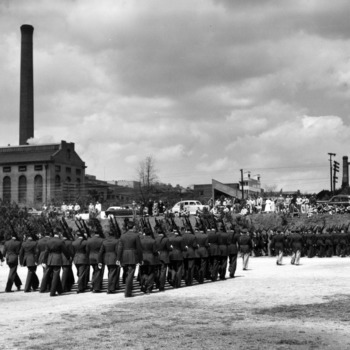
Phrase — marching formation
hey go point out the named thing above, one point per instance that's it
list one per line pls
(164, 253)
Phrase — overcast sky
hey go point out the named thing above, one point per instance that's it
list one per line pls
(205, 87)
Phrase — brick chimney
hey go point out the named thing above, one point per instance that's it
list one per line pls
(26, 108)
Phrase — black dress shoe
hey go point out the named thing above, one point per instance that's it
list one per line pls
(96, 291)
(8, 291)
(19, 288)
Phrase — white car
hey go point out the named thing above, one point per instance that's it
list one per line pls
(190, 206)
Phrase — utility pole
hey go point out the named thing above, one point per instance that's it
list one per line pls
(242, 184)
(330, 164)
(335, 177)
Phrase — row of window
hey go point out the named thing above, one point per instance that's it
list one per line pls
(39, 167)
(38, 188)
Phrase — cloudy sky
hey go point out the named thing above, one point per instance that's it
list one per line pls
(207, 87)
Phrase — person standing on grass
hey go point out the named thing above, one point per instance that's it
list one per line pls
(28, 257)
(245, 243)
(12, 248)
(129, 255)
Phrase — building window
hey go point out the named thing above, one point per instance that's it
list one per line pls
(6, 169)
(57, 168)
(22, 189)
(78, 172)
(22, 168)
(68, 170)
(38, 189)
(6, 189)
(38, 167)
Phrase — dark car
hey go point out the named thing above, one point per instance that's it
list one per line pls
(123, 210)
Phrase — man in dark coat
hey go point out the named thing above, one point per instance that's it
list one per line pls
(81, 261)
(147, 269)
(223, 242)
(28, 257)
(108, 256)
(12, 248)
(245, 243)
(129, 255)
(189, 254)
(214, 254)
(67, 272)
(164, 247)
(41, 248)
(93, 247)
(233, 249)
(278, 242)
(176, 258)
(53, 259)
(201, 253)
(296, 242)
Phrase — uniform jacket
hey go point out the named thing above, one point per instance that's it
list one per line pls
(203, 245)
(213, 241)
(245, 243)
(179, 245)
(11, 251)
(80, 252)
(191, 242)
(108, 251)
(223, 241)
(28, 253)
(164, 247)
(93, 247)
(296, 241)
(149, 250)
(65, 261)
(41, 247)
(129, 249)
(233, 243)
(55, 247)
(278, 241)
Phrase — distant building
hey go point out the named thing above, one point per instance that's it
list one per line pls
(128, 183)
(251, 185)
(31, 175)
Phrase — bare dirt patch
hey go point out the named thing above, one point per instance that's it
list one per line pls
(266, 307)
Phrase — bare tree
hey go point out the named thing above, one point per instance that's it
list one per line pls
(147, 174)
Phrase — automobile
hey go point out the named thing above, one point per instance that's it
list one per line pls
(34, 212)
(340, 199)
(124, 210)
(190, 206)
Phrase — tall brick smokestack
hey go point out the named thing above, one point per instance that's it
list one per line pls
(345, 181)
(26, 105)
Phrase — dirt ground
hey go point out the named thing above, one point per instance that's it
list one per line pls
(266, 307)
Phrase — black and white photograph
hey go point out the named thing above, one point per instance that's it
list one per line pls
(174, 174)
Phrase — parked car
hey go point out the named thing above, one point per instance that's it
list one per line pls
(123, 210)
(33, 211)
(340, 199)
(190, 206)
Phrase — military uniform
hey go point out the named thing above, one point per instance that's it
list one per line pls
(176, 259)
(81, 261)
(93, 246)
(12, 248)
(189, 256)
(245, 244)
(164, 247)
(28, 257)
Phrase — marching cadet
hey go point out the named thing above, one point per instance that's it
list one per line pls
(129, 255)
(296, 242)
(278, 241)
(81, 261)
(232, 251)
(176, 258)
(201, 253)
(214, 254)
(223, 242)
(328, 244)
(147, 269)
(189, 254)
(55, 247)
(245, 244)
(164, 248)
(45, 285)
(28, 257)
(12, 248)
(67, 272)
(108, 256)
(93, 246)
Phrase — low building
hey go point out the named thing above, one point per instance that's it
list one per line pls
(31, 175)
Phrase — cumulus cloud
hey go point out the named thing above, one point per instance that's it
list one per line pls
(206, 87)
